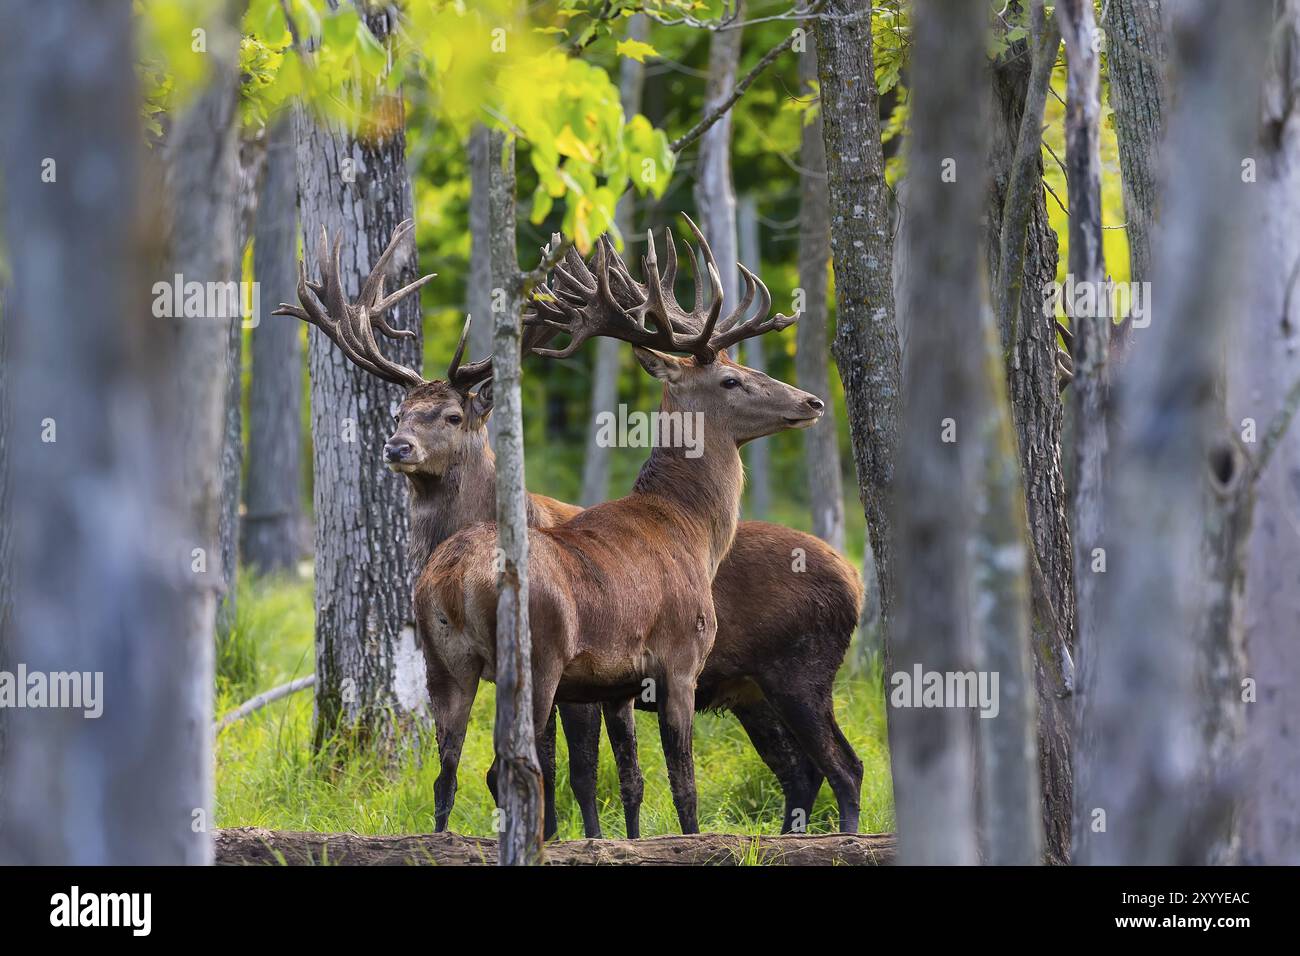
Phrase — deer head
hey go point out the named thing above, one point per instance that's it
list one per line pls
(604, 300)
(439, 420)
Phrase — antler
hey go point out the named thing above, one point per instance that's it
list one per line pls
(606, 301)
(352, 327)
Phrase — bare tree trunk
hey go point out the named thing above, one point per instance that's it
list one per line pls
(520, 780)
(757, 452)
(1264, 390)
(1022, 250)
(1142, 795)
(866, 342)
(1091, 334)
(478, 290)
(1137, 54)
(931, 748)
(109, 520)
(609, 353)
(369, 670)
(6, 523)
(273, 522)
(812, 353)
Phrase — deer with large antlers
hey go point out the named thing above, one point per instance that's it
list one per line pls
(781, 636)
(622, 592)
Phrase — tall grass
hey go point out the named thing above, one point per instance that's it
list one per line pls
(266, 774)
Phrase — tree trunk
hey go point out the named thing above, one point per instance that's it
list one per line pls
(514, 739)
(273, 522)
(609, 352)
(6, 525)
(478, 290)
(1142, 795)
(757, 452)
(931, 748)
(109, 517)
(866, 342)
(1264, 388)
(1137, 54)
(812, 353)
(369, 670)
(1020, 235)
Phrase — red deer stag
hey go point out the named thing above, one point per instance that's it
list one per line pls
(622, 591)
(781, 637)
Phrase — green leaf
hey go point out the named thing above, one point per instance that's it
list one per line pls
(635, 50)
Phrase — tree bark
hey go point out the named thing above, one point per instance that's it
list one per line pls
(759, 478)
(6, 525)
(478, 291)
(931, 748)
(812, 351)
(252, 846)
(106, 516)
(370, 672)
(1266, 383)
(866, 342)
(1137, 53)
(273, 522)
(609, 352)
(1142, 751)
(514, 737)
(1022, 250)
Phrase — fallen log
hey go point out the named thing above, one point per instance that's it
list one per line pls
(251, 846)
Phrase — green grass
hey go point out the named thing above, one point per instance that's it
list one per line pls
(266, 775)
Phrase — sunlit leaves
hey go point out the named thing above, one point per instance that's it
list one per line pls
(635, 50)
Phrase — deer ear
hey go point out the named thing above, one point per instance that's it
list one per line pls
(479, 404)
(663, 367)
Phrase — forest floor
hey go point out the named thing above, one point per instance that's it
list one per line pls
(267, 777)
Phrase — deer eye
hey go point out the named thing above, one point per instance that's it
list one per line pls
(454, 419)
(730, 382)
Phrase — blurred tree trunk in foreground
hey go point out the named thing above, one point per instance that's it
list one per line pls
(932, 748)
(1266, 390)
(757, 452)
(609, 354)
(273, 520)
(478, 288)
(866, 341)
(113, 539)
(1146, 792)
(370, 678)
(812, 354)
(1022, 250)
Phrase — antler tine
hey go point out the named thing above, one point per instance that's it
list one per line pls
(464, 377)
(751, 283)
(372, 288)
(758, 323)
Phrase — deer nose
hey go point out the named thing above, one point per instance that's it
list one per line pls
(815, 403)
(397, 451)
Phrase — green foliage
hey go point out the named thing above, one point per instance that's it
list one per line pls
(266, 775)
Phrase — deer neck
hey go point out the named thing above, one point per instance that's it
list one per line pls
(703, 483)
(462, 495)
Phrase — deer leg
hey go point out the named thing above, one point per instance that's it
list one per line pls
(798, 775)
(620, 723)
(546, 759)
(812, 721)
(676, 722)
(582, 732)
(451, 698)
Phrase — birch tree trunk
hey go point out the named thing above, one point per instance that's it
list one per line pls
(760, 461)
(604, 376)
(369, 670)
(866, 341)
(520, 780)
(1022, 249)
(1137, 53)
(812, 350)
(478, 291)
(107, 521)
(1264, 390)
(1142, 787)
(6, 524)
(932, 748)
(272, 533)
